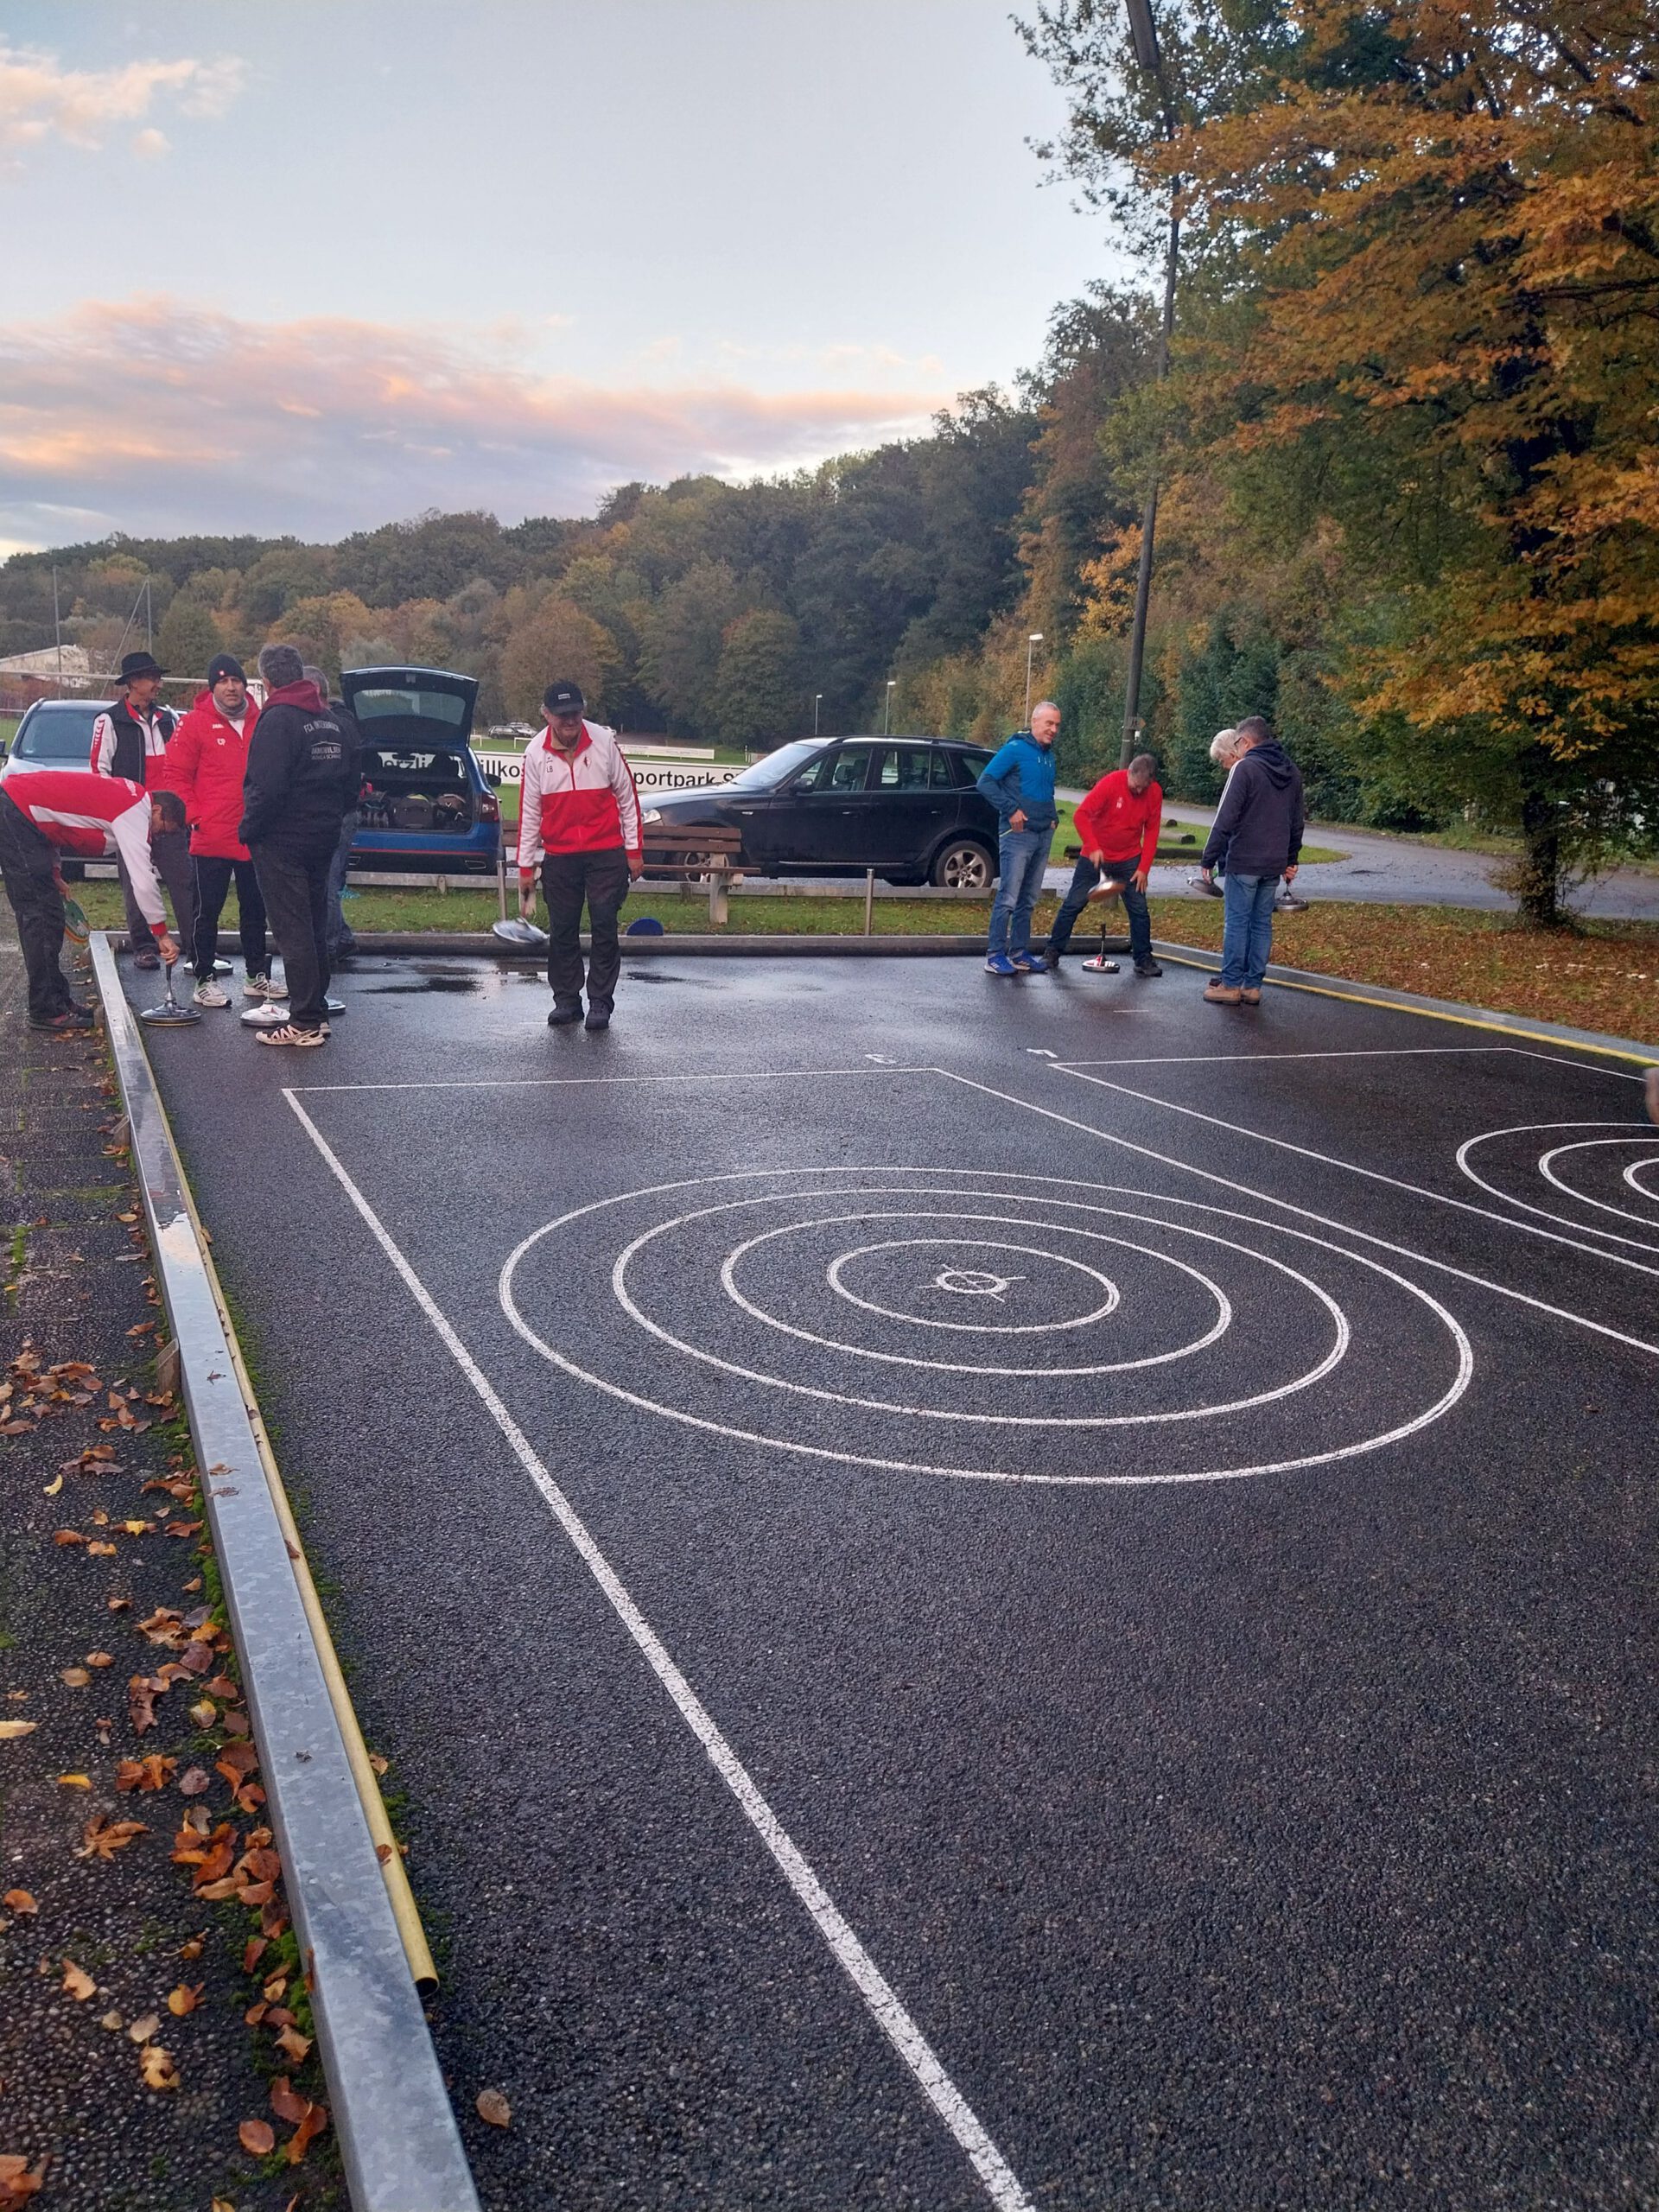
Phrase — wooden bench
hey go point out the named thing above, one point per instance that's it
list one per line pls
(694, 858)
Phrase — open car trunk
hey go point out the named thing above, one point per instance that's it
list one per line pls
(415, 788)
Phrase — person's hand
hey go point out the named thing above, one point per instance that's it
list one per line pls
(636, 865)
(1140, 878)
(1097, 860)
(1206, 875)
(1290, 873)
(526, 897)
(1017, 819)
(165, 946)
(57, 878)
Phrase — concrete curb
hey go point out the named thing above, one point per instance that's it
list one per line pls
(399, 2139)
(1470, 1017)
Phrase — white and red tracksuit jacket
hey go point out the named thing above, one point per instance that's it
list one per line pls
(95, 818)
(587, 804)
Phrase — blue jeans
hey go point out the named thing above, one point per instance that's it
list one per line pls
(1247, 928)
(1084, 877)
(1022, 854)
(340, 939)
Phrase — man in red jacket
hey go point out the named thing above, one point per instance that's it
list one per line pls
(205, 762)
(579, 817)
(46, 811)
(1117, 828)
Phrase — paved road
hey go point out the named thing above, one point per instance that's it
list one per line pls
(1184, 1599)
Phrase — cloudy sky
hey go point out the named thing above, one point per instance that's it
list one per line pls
(309, 265)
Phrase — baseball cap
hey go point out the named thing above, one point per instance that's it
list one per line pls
(563, 699)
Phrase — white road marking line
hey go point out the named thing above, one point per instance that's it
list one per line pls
(1377, 1175)
(1001, 2184)
(1460, 1383)
(1305, 1213)
(1369, 1052)
(545, 1082)
(1645, 1133)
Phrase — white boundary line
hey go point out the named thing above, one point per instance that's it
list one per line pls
(1375, 1174)
(546, 1082)
(1000, 2185)
(1368, 1052)
(1304, 1213)
(1644, 1132)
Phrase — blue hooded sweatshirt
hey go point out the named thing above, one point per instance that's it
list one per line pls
(1023, 775)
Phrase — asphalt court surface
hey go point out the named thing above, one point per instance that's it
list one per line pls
(1032, 1595)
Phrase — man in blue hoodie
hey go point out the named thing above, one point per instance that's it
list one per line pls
(1257, 832)
(1020, 784)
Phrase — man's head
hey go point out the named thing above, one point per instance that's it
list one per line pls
(565, 706)
(1255, 729)
(315, 675)
(1223, 747)
(1046, 721)
(227, 683)
(1142, 770)
(280, 665)
(166, 811)
(140, 678)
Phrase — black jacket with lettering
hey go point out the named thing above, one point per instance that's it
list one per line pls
(301, 773)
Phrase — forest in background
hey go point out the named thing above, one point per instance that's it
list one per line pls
(1405, 446)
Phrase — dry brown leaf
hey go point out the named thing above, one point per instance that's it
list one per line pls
(294, 2045)
(378, 1762)
(79, 1983)
(204, 1713)
(185, 1998)
(19, 2181)
(74, 1678)
(110, 2020)
(221, 2204)
(100, 1659)
(157, 2068)
(287, 2102)
(66, 1536)
(252, 1951)
(11, 1730)
(493, 2108)
(194, 1781)
(55, 1485)
(101, 1551)
(142, 2029)
(257, 2138)
(75, 1782)
(19, 1901)
(118, 1605)
(314, 2120)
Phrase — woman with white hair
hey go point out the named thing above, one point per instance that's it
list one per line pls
(1224, 751)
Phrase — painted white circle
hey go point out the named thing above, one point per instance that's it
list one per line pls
(1546, 1166)
(1637, 1173)
(1402, 1393)
(970, 1282)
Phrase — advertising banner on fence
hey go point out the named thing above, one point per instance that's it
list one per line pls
(653, 773)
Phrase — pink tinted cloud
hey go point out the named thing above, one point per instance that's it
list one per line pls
(40, 99)
(167, 416)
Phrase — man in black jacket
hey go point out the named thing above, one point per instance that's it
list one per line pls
(1257, 832)
(302, 777)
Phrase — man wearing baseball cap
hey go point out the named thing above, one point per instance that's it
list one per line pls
(579, 819)
(206, 761)
(128, 741)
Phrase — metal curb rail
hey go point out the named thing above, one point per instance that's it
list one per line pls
(397, 2136)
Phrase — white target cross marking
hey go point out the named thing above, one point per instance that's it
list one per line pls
(1211, 1328)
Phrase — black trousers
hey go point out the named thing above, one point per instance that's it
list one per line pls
(1084, 877)
(601, 880)
(294, 883)
(27, 866)
(213, 879)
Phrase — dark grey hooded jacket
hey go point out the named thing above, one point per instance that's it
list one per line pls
(1258, 826)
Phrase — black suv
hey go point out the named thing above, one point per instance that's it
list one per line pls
(905, 806)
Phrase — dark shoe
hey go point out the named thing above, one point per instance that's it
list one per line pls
(1054, 956)
(565, 1011)
(146, 959)
(1220, 994)
(1148, 968)
(599, 1014)
(1029, 963)
(69, 1023)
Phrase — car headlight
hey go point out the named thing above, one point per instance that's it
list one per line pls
(652, 816)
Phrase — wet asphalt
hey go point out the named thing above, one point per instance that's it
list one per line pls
(1273, 1829)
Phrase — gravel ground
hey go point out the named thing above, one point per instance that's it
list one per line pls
(71, 2093)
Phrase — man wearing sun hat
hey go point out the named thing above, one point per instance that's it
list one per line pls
(128, 739)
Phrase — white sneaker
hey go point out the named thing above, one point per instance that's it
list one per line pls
(287, 1034)
(271, 1015)
(256, 986)
(209, 994)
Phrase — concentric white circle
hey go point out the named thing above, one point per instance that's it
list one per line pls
(1555, 1164)
(1158, 1411)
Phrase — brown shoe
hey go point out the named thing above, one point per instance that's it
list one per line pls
(1220, 994)
(1251, 998)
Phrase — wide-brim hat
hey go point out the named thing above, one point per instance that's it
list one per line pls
(139, 664)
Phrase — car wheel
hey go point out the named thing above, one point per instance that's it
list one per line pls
(964, 865)
(698, 866)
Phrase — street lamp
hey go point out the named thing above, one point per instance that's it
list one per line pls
(1143, 37)
(817, 701)
(1035, 639)
(887, 707)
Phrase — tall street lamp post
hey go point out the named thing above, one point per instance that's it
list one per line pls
(887, 707)
(1143, 36)
(817, 701)
(1035, 639)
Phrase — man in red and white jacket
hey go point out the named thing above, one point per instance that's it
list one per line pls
(579, 817)
(46, 811)
(129, 740)
(205, 760)
(1117, 827)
